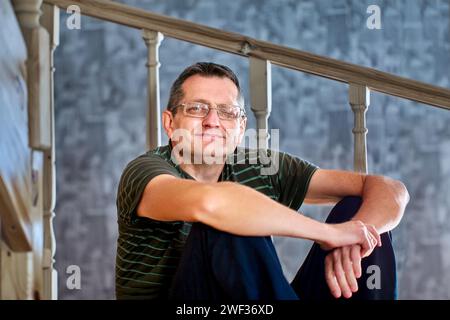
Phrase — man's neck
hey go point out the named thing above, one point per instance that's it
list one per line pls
(200, 172)
(203, 172)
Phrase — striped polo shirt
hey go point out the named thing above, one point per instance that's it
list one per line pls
(148, 251)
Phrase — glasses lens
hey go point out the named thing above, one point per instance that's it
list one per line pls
(196, 109)
(228, 112)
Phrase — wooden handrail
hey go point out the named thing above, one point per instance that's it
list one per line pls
(283, 56)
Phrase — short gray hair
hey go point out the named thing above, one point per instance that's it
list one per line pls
(205, 69)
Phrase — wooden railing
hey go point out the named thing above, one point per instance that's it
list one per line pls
(245, 46)
(42, 40)
(261, 54)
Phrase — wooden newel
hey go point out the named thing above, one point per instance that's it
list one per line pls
(153, 40)
(359, 98)
(38, 72)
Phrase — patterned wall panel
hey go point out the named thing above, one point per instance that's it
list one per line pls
(100, 120)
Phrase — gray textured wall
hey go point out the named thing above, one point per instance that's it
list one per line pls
(100, 120)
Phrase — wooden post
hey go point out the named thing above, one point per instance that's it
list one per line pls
(261, 97)
(153, 40)
(359, 98)
(50, 21)
(38, 72)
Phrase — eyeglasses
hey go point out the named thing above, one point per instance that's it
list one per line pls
(201, 110)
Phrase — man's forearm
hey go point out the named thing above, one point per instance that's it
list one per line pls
(243, 211)
(384, 202)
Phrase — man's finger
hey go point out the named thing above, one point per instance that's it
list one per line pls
(348, 269)
(373, 241)
(366, 245)
(330, 277)
(355, 254)
(340, 274)
(375, 233)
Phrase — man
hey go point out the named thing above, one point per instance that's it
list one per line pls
(195, 226)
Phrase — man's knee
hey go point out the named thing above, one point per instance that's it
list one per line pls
(345, 209)
(215, 239)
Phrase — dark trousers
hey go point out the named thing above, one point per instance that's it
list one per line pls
(220, 266)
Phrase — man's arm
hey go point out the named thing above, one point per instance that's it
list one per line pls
(240, 210)
(384, 199)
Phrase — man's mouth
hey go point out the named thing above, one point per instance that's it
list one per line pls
(210, 136)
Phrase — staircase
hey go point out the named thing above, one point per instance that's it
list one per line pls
(27, 171)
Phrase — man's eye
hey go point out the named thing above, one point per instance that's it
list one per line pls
(195, 108)
(229, 111)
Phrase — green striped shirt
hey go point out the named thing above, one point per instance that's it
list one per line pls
(148, 251)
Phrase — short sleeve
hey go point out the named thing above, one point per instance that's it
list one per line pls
(292, 179)
(135, 177)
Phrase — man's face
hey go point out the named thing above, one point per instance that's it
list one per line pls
(208, 136)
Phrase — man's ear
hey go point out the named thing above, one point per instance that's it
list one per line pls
(167, 122)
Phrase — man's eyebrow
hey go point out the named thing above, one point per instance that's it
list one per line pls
(202, 101)
(208, 102)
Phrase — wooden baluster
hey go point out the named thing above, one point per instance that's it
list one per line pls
(359, 97)
(50, 21)
(261, 97)
(153, 40)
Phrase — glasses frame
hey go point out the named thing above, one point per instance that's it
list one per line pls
(242, 113)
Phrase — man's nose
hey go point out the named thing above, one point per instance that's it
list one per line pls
(212, 119)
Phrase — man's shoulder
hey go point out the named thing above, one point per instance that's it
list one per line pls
(161, 151)
(158, 153)
(156, 158)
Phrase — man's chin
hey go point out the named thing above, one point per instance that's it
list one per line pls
(211, 152)
(209, 158)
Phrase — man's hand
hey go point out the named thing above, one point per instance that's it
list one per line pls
(352, 233)
(342, 268)
(351, 241)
